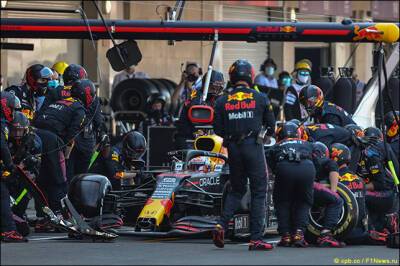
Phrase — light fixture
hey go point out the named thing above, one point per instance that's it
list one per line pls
(3, 3)
(107, 7)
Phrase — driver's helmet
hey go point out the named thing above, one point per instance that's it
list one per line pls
(200, 164)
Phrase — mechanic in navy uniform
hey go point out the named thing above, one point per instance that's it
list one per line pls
(124, 156)
(240, 116)
(392, 131)
(37, 77)
(93, 129)
(327, 172)
(62, 120)
(312, 98)
(185, 128)
(72, 73)
(291, 161)
(8, 228)
(350, 135)
(380, 195)
(25, 148)
(359, 235)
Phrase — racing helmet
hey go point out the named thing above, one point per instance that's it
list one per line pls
(217, 83)
(37, 76)
(311, 97)
(86, 193)
(73, 73)
(373, 132)
(133, 145)
(355, 130)
(392, 128)
(84, 90)
(340, 153)
(60, 67)
(241, 70)
(320, 150)
(9, 102)
(287, 130)
(19, 126)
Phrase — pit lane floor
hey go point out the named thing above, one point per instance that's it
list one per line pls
(46, 249)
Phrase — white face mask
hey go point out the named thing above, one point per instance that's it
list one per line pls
(269, 71)
(302, 79)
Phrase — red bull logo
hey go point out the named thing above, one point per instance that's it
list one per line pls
(288, 29)
(371, 33)
(240, 96)
(240, 105)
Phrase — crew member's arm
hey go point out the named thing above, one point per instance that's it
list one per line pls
(6, 159)
(333, 170)
(331, 119)
(269, 117)
(377, 173)
(77, 121)
(291, 105)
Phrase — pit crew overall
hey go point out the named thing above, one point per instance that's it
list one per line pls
(239, 117)
(291, 161)
(62, 120)
(330, 113)
(372, 168)
(6, 165)
(28, 151)
(85, 142)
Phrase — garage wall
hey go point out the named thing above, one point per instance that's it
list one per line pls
(255, 53)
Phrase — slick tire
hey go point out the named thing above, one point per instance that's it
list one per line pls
(348, 219)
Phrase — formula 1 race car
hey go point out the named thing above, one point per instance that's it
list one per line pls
(187, 200)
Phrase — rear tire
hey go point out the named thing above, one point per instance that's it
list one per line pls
(348, 219)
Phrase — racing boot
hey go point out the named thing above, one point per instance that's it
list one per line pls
(259, 245)
(12, 237)
(285, 241)
(327, 240)
(378, 237)
(218, 235)
(298, 239)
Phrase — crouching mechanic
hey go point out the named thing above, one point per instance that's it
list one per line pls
(240, 116)
(327, 172)
(359, 235)
(25, 148)
(291, 161)
(8, 228)
(380, 195)
(125, 156)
